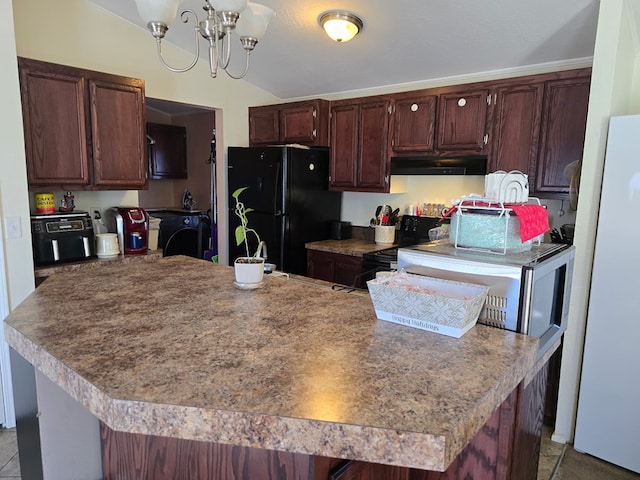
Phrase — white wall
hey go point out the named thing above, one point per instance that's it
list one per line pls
(80, 34)
(614, 83)
(16, 266)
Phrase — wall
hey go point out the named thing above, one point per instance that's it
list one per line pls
(16, 264)
(614, 82)
(78, 33)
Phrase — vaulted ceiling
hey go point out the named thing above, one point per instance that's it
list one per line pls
(404, 41)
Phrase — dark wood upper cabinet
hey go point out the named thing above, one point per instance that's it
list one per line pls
(264, 125)
(413, 123)
(534, 124)
(118, 133)
(344, 146)
(359, 143)
(56, 127)
(516, 128)
(564, 120)
(304, 122)
(83, 130)
(462, 119)
(374, 130)
(167, 150)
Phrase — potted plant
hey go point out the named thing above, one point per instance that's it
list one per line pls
(249, 270)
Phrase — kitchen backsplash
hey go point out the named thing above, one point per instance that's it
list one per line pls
(359, 207)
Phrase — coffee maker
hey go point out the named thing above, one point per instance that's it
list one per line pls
(132, 226)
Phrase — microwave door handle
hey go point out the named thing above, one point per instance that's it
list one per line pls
(56, 251)
(527, 290)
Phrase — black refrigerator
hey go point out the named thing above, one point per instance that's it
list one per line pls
(288, 192)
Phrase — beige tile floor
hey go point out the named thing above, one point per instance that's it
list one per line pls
(562, 462)
(557, 461)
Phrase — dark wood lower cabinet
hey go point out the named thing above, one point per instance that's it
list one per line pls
(334, 267)
(506, 447)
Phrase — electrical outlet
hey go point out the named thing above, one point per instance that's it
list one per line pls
(95, 213)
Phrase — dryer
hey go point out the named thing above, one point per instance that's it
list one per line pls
(183, 232)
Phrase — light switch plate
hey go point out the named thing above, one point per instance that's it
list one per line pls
(13, 227)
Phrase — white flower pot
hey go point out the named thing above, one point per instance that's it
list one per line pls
(249, 271)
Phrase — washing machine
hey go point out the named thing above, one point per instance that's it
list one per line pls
(183, 233)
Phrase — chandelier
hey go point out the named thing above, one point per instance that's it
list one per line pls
(223, 17)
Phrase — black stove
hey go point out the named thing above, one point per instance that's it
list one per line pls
(413, 230)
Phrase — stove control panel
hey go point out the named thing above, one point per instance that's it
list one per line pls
(416, 227)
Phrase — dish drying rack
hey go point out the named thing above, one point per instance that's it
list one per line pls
(475, 204)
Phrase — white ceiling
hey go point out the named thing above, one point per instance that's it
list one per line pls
(403, 41)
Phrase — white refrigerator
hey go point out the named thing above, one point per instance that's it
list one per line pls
(608, 418)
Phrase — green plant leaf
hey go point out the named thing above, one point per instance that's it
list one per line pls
(237, 193)
(247, 210)
(240, 234)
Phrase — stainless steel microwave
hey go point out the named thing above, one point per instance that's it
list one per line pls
(529, 291)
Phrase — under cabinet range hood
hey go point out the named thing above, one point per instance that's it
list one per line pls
(468, 165)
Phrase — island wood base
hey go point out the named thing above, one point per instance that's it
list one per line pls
(507, 447)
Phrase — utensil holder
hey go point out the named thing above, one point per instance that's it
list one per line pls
(385, 234)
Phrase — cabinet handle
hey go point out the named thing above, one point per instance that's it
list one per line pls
(314, 133)
(462, 102)
(150, 140)
(486, 138)
(414, 107)
(314, 113)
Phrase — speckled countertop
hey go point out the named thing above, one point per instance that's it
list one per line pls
(92, 263)
(172, 348)
(354, 247)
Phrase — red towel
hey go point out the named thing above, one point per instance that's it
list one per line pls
(534, 220)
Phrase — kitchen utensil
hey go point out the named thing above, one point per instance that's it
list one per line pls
(393, 218)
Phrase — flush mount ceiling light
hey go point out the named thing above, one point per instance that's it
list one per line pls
(223, 17)
(340, 26)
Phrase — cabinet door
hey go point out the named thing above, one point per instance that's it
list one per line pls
(373, 161)
(320, 265)
(413, 123)
(347, 270)
(264, 125)
(344, 147)
(462, 118)
(298, 124)
(564, 120)
(118, 129)
(516, 130)
(167, 147)
(55, 125)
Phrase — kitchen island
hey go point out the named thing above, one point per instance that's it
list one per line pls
(184, 372)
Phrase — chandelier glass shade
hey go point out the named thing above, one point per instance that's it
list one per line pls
(249, 21)
(339, 25)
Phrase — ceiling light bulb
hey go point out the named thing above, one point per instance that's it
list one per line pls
(340, 26)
